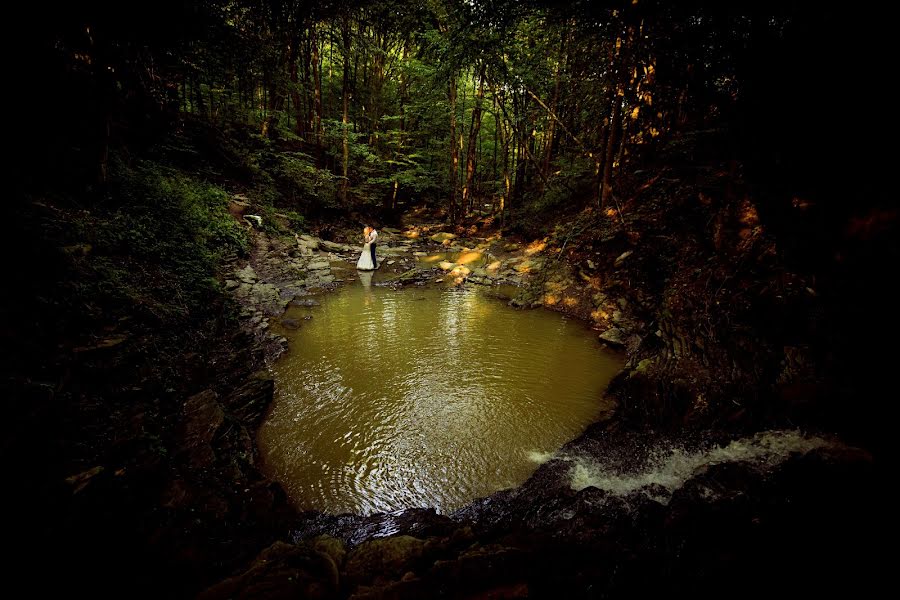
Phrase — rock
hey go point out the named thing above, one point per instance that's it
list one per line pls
(249, 401)
(318, 265)
(591, 265)
(290, 323)
(335, 247)
(247, 274)
(460, 271)
(389, 557)
(446, 265)
(494, 267)
(304, 302)
(390, 262)
(442, 237)
(231, 284)
(333, 547)
(203, 416)
(254, 220)
(622, 257)
(307, 242)
(614, 337)
(390, 230)
(282, 571)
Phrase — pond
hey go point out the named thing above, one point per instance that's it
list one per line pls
(390, 399)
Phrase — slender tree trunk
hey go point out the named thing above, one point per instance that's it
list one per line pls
(554, 107)
(295, 88)
(472, 149)
(308, 88)
(345, 37)
(404, 82)
(610, 149)
(454, 153)
(317, 76)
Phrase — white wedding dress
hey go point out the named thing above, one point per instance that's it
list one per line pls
(365, 259)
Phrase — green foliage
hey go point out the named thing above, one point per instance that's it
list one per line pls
(161, 246)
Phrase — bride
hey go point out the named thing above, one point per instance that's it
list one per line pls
(365, 258)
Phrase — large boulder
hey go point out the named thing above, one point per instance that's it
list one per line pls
(282, 571)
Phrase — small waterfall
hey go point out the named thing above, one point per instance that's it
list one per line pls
(671, 467)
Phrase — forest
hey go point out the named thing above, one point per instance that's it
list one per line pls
(705, 187)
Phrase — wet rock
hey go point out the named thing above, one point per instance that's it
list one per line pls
(442, 237)
(290, 323)
(304, 302)
(318, 265)
(614, 337)
(249, 401)
(282, 571)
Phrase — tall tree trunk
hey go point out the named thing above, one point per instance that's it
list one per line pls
(472, 150)
(377, 86)
(317, 76)
(611, 148)
(454, 153)
(404, 82)
(345, 38)
(308, 88)
(295, 88)
(554, 107)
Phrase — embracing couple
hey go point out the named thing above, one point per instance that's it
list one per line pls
(367, 261)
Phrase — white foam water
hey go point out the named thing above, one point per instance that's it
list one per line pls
(672, 467)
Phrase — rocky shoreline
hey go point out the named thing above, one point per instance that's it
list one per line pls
(549, 536)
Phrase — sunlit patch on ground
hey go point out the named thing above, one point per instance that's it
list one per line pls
(535, 247)
(468, 257)
(494, 266)
(599, 315)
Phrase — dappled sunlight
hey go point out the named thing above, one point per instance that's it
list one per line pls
(551, 299)
(610, 212)
(535, 247)
(494, 266)
(570, 302)
(599, 315)
(431, 259)
(469, 257)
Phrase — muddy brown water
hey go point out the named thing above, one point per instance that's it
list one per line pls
(390, 399)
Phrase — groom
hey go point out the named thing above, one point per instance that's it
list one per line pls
(373, 235)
